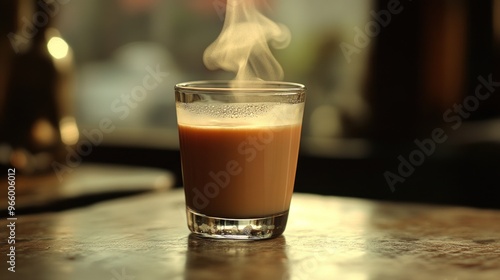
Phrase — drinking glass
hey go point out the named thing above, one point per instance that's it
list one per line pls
(239, 144)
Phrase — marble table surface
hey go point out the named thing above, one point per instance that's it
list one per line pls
(145, 237)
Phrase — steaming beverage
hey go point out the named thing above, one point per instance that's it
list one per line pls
(239, 172)
(239, 139)
(239, 149)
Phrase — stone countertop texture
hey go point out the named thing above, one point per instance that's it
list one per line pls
(145, 237)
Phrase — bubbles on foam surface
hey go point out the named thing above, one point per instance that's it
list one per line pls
(224, 110)
(239, 114)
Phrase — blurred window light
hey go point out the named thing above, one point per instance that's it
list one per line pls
(322, 128)
(114, 43)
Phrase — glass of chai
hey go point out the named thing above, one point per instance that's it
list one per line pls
(239, 144)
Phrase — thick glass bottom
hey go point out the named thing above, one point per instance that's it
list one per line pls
(241, 229)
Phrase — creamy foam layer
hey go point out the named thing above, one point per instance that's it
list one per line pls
(239, 114)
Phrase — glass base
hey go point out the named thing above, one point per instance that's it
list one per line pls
(241, 229)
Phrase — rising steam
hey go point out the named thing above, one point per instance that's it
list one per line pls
(243, 44)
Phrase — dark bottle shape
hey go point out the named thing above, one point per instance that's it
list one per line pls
(35, 118)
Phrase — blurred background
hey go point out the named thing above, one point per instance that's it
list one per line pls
(403, 99)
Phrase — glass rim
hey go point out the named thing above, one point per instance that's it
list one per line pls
(224, 86)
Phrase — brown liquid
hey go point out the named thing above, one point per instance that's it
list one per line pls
(242, 172)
